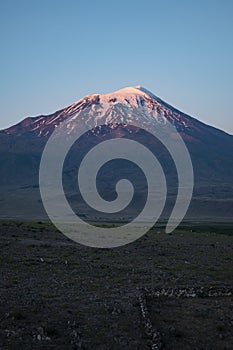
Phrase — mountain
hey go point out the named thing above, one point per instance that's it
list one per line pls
(111, 116)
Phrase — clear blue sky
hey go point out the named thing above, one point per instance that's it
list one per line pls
(54, 52)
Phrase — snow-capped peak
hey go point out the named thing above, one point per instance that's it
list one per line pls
(130, 93)
(127, 105)
(131, 90)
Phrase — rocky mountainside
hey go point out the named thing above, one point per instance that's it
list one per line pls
(112, 115)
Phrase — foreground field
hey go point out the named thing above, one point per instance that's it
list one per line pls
(56, 294)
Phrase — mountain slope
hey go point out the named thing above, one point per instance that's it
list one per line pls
(211, 149)
(129, 103)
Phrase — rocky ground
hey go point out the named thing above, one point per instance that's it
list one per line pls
(56, 294)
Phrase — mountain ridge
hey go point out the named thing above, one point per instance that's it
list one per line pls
(211, 149)
(133, 96)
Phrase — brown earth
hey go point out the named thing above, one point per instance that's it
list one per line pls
(56, 294)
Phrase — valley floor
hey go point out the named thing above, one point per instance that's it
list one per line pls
(56, 294)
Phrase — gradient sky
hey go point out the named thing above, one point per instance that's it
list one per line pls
(55, 52)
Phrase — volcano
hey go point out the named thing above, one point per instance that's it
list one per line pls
(113, 115)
